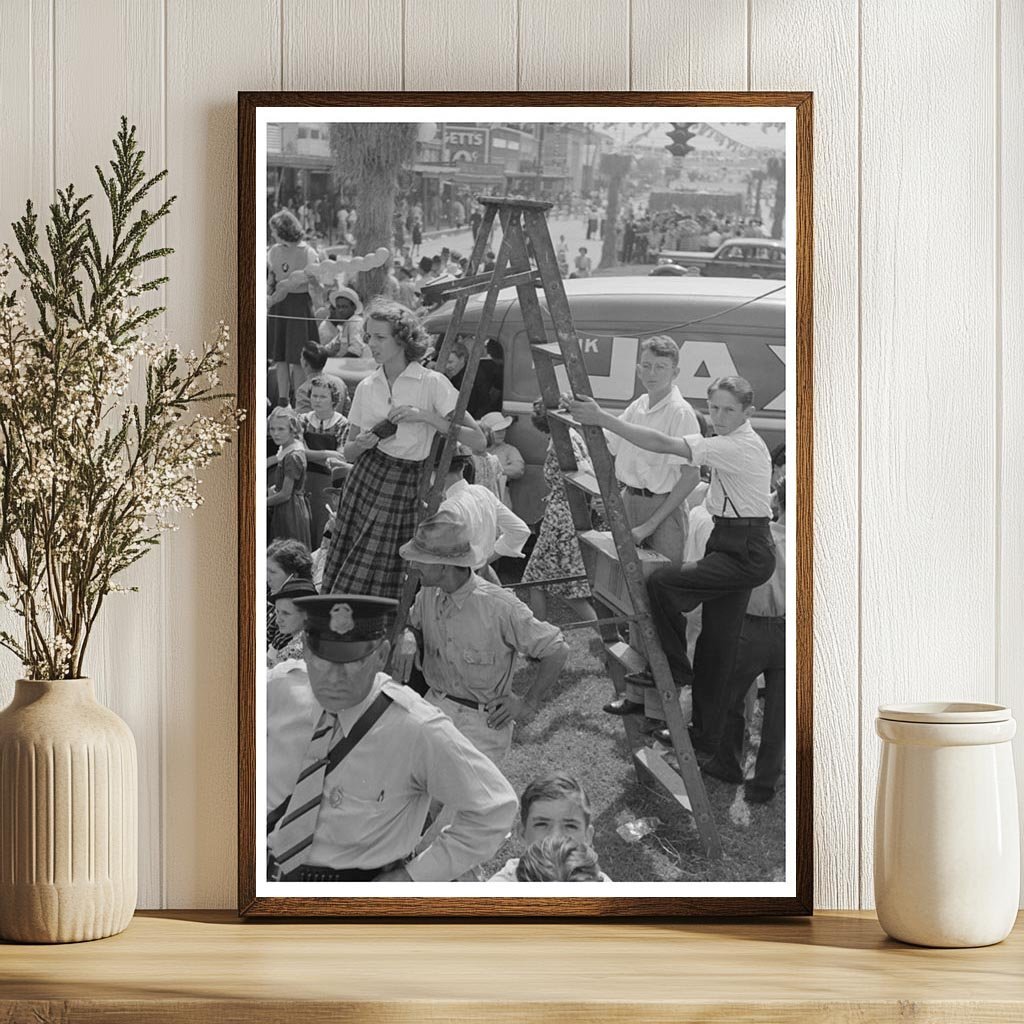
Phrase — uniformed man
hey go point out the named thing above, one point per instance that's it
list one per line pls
(374, 757)
(471, 633)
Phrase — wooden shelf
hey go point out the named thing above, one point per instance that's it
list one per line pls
(208, 966)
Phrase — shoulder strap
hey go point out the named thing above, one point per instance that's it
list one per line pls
(340, 750)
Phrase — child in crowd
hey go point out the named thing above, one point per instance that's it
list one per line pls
(323, 435)
(287, 504)
(510, 459)
(289, 620)
(313, 361)
(559, 859)
(286, 560)
(555, 805)
(341, 330)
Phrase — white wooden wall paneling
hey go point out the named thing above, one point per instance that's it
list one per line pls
(468, 45)
(125, 656)
(26, 119)
(831, 72)
(574, 44)
(341, 44)
(919, 314)
(694, 44)
(214, 50)
(1009, 262)
(928, 517)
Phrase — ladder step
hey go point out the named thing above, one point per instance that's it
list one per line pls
(614, 620)
(584, 481)
(602, 541)
(562, 417)
(628, 657)
(654, 762)
(551, 349)
(485, 282)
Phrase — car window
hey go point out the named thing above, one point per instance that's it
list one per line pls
(732, 252)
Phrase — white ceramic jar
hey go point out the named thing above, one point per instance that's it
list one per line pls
(947, 847)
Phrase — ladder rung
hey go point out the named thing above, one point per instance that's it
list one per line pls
(507, 201)
(562, 417)
(551, 349)
(628, 657)
(583, 480)
(603, 542)
(484, 282)
(597, 623)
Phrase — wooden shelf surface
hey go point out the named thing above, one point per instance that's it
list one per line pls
(200, 966)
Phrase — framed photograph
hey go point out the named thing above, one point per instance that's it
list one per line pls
(530, 409)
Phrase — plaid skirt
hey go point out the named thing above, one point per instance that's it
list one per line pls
(376, 517)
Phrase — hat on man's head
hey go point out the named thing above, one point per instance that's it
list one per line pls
(346, 627)
(496, 421)
(339, 291)
(443, 539)
(294, 588)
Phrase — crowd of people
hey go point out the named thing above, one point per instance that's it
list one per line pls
(385, 762)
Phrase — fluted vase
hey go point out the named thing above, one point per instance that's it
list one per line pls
(68, 815)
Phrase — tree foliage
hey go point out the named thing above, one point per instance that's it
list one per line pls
(88, 477)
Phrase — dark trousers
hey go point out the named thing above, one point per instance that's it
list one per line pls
(762, 648)
(737, 559)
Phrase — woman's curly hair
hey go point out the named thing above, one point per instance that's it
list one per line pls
(406, 328)
(286, 226)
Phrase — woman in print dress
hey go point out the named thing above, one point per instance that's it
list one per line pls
(557, 551)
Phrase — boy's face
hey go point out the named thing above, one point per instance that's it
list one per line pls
(726, 413)
(656, 372)
(562, 817)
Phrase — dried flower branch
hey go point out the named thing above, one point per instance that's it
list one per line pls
(89, 478)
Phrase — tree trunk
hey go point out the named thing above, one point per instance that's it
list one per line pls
(375, 211)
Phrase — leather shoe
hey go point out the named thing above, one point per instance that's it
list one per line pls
(623, 706)
(717, 771)
(755, 794)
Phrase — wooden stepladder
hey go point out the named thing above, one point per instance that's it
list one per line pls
(526, 259)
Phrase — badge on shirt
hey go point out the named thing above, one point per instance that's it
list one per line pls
(336, 796)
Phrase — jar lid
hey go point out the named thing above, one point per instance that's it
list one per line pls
(945, 713)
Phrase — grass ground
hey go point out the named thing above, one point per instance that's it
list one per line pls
(571, 733)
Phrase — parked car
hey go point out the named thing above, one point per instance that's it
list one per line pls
(723, 327)
(736, 257)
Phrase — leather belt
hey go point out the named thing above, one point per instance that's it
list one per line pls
(734, 521)
(642, 492)
(475, 705)
(316, 873)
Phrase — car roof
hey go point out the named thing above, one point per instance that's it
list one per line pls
(773, 243)
(710, 293)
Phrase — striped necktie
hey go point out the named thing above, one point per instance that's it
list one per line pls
(294, 833)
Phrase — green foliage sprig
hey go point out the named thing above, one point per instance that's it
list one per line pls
(90, 477)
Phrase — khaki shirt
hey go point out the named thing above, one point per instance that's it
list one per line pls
(471, 638)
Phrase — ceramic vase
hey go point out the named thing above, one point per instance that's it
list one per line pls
(947, 847)
(68, 815)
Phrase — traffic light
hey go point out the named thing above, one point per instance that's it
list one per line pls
(680, 136)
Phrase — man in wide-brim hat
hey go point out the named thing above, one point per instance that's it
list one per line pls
(355, 760)
(471, 632)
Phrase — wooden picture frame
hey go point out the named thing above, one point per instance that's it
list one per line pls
(793, 894)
